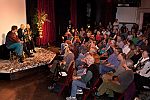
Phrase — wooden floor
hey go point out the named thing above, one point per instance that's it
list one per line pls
(28, 88)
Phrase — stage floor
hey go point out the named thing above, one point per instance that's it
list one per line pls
(41, 57)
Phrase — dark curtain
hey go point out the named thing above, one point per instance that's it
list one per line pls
(73, 11)
(106, 11)
(62, 16)
(31, 11)
(110, 12)
(81, 13)
(47, 6)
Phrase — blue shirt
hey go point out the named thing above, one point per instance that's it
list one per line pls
(112, 59)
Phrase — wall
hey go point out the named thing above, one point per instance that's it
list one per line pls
(145, 8)
(133, 14)
(127, 14)
(13, 12)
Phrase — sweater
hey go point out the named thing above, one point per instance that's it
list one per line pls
(11, 38)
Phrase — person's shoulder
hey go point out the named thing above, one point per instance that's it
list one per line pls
(19, 29)
(89, 72)
(147, 63)
(9, 32)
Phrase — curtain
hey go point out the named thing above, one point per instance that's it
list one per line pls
(73, 11)
(48, 34)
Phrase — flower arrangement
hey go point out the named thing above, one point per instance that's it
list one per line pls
(40, 18)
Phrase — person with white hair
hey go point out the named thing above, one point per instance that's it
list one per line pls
(29, 38)
(21, 35)
(117, 83)
(89, 60)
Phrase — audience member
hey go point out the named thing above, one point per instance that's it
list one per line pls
(142, 68)
(83, 81)
(117, 83)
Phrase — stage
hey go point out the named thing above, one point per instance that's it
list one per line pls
(11, 69)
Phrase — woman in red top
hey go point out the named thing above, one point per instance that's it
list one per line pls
(98, 36)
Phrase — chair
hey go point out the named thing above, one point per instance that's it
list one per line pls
(92, 89)
(12, 54)
(68, 78)
(4, 52)
(129, 93)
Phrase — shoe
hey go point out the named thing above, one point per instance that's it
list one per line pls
(97, 94)
(136, 98)
(34, 51)
(30, 55)
(71, 98)
(79, 91)
(50, 87)
(20, 60)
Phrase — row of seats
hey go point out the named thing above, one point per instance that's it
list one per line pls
(128, 94)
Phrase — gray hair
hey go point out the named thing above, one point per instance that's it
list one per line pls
(129, 63)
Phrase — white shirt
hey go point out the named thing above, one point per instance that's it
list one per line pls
(126, 49)
(143, 71)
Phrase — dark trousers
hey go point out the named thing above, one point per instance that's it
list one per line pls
(141, 81)
(30, 45)
(25, 49)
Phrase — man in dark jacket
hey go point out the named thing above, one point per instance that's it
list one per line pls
(14, 43)
(21, 36)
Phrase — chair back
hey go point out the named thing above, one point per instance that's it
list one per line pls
(70, 72)
(68, 78)
(92, 89)
(71, 64)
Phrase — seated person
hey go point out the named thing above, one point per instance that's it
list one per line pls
(108, 49)
(63, 47)
(80, 56)
(87, 61)
(122, 58)
(115, 83)
(137, 55)
(84, 81)
(21, 35)
(142, 75)
(29, 39)
(14, 43)
(68, 57)
(111, 63)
